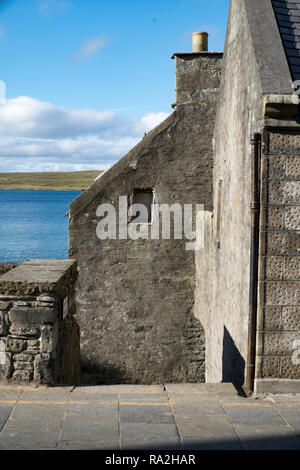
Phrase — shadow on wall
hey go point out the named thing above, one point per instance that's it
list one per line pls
(188, 366)
(233, 364)
(101, 374)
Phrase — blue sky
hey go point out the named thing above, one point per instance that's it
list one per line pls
(86, 78)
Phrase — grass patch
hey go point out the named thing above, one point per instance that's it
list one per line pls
(72, 181)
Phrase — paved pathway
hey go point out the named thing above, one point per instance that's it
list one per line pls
(170, 417)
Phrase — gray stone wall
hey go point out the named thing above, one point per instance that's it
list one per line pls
(39, 338)
(226, 254)
(135, 299)
(279, 267)
(255, 65)
(197, 80)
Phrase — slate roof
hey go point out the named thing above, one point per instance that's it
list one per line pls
(287, 13)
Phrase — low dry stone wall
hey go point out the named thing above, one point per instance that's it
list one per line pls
(39, 337)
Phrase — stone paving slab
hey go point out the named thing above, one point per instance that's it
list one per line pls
(121, 389)
(230, 399)
(149, 436)
(49, 395)
(88, 445)
(94, 397)
(177, 416)
(210, 443)
(267, 437)
(188, 410)
(102, 409)
(28, 440)
(139, 398)
(26, 421)
(90, 427)
(204, 389)
(291, 414)
(9, 395)
(206, 428)
(194, 398)
(32, 426)
(146, 414)
(258, 414)
(5, 412)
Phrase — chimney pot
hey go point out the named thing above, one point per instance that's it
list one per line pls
(200, 42)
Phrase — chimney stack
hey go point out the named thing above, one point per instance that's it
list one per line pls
(200, 42)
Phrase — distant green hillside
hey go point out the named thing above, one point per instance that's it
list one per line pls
(77, 180)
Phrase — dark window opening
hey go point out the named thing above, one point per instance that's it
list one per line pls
(144, 197)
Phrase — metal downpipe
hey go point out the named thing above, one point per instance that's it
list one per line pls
(255, 212)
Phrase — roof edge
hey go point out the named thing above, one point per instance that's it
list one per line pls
(84, 198)
(268, 48)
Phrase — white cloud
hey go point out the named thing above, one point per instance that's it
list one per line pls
(149, 121)
(38, 136)
(27, 117)
(90, 47)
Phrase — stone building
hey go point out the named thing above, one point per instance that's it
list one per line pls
(135, 298)
(146, 308)
(253, 258)
(151, 311)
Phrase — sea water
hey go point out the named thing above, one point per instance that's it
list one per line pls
(34, 224)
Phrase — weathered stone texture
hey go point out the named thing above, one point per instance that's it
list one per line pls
(290, 318)
(268, 367)
(284, 192)
(32, 328)
(288, 370)
(293, 167)
(279, 285)
(239, 111)
(274, 217)
(269, 318)
(135, 299)
(197, 80)
(279, 343)
(255, 84)
(283, 142)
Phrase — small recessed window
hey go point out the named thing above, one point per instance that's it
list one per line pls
(143, 197)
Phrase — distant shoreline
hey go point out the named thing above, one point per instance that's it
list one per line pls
(48, 181)
(39, 189)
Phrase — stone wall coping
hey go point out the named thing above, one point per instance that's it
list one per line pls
(281, 106)
(37, 276)
(194, 55)
(7, 266)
